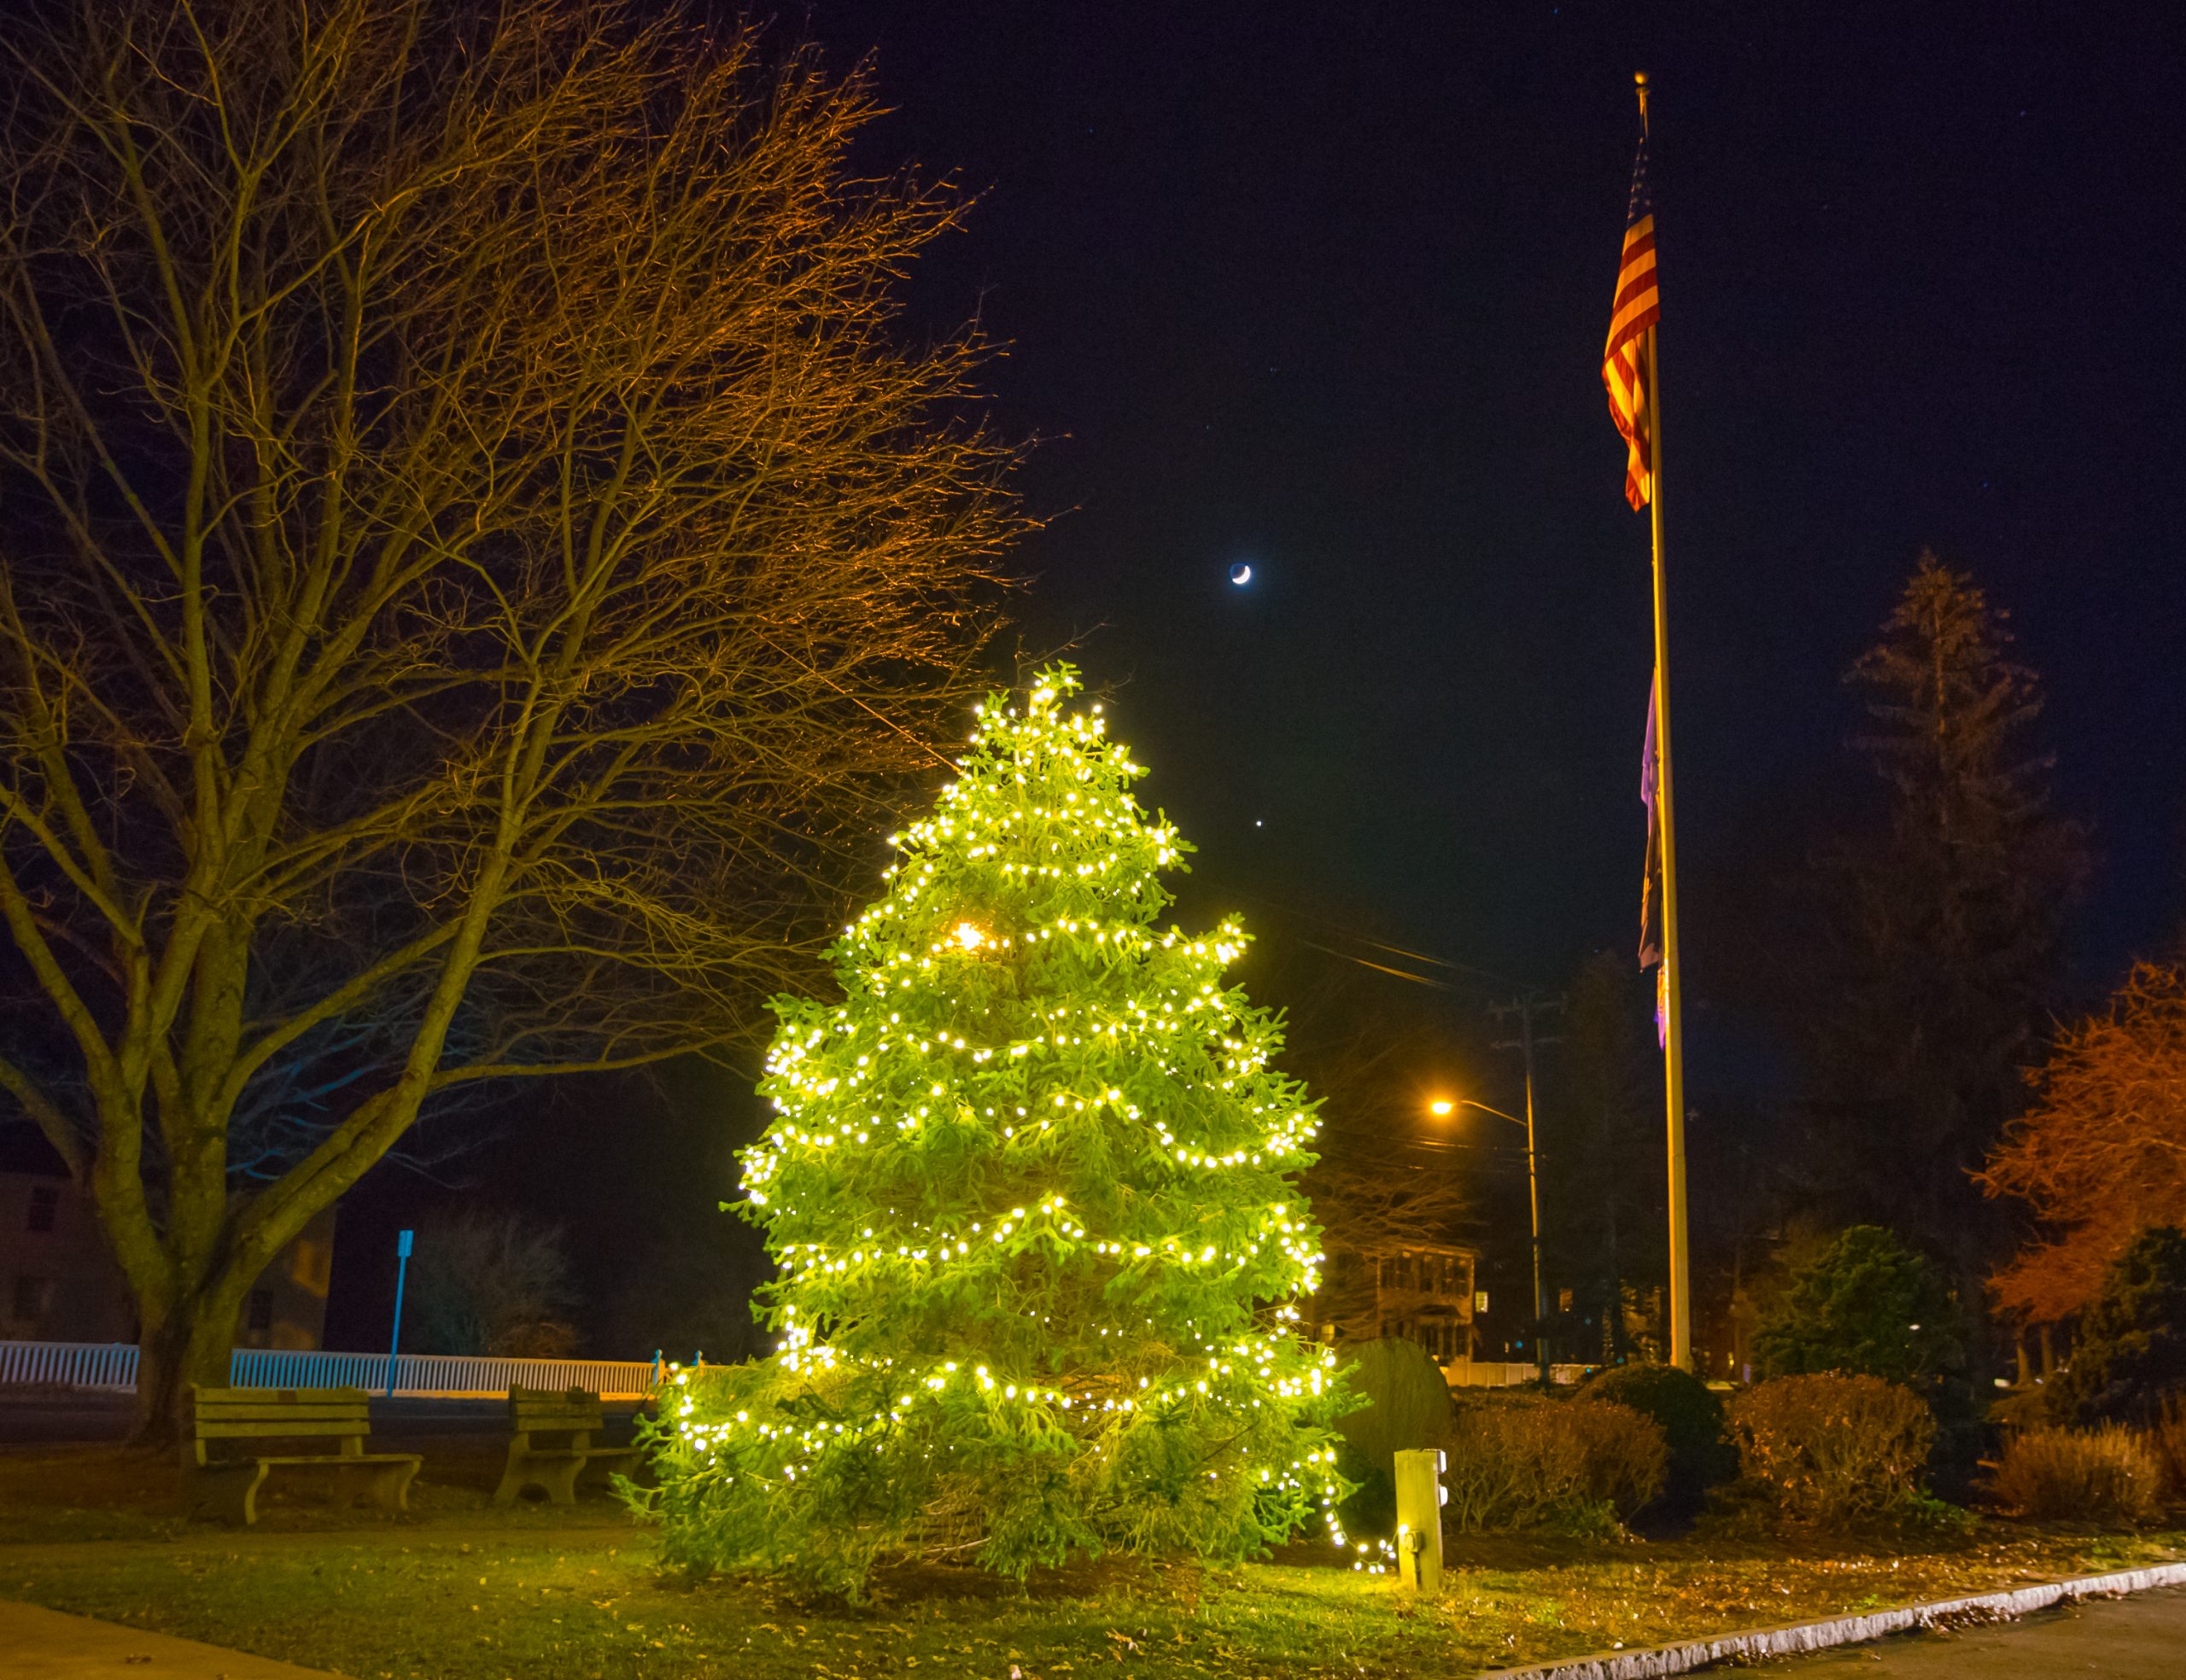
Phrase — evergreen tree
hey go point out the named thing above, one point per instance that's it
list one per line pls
(1026, 1190)
(1941, 932)
(2128, 1358)
(1867, 1304)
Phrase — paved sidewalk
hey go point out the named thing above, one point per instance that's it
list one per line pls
(2143, 1638)
(46, 1645)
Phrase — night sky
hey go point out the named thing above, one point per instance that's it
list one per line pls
(1323, 289)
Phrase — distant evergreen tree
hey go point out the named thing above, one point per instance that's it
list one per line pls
(1026, 1189)
(1868, 1305)
(1941, 932)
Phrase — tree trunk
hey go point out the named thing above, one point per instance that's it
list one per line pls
(194, 1343)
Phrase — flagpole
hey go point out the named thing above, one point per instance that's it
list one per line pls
(1673, 1004)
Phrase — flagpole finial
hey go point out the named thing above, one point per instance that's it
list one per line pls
(1639, 82)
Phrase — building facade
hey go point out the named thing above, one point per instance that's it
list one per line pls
(1423, 1292)
(59, 1283)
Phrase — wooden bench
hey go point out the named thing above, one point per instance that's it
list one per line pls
(550, 1442)
(227, 1486)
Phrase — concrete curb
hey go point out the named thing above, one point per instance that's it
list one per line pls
(1800, 1638)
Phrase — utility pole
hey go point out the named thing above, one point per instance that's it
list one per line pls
(1524, 1007)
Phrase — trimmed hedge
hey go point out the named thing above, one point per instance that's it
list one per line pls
(1690, 1415)
(1408, 1406)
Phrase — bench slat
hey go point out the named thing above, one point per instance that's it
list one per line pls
(281, 1431)
(280, 1414)
(543, 1409)
(259, 1413)
(333, 1460)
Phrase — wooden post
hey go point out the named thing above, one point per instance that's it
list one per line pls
(1420, 1494)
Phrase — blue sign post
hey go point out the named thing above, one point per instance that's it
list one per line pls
(402, 1241)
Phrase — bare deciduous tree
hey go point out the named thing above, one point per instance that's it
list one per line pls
(490, 1283)
(479, 558)
(1380, 1189)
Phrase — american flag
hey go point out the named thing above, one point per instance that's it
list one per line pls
(1638, 307)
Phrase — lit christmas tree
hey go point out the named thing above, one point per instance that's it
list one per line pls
(1025, 1186)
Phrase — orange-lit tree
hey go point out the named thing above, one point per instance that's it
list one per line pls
(479, 560)
(2101, 1155)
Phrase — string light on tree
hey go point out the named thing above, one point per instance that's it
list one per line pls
(1027, 1186)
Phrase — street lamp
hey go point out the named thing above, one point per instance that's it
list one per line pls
(1441, 1108)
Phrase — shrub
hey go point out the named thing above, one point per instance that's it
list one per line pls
(1407, 1399)
(1531, 1462)
(2128, 1356)
(1830, 1448)
(1407, 1406)
(1628, 1457)
(1691, 1416)
(2107, 1475)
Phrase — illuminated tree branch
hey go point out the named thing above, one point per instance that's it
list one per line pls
(481, 563)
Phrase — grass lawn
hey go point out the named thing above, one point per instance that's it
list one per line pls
(457, 1591)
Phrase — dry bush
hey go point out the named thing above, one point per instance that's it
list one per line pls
(2109, 1475)
(1538, 1463)
(1627, 1453)
(1832, 1447)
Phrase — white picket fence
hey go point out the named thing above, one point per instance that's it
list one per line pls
(113, 1365)
(69, 1364)
(1499, 1374)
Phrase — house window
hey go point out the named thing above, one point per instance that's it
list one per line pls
(259, 1313)
(30, 1298)
(45, 1202)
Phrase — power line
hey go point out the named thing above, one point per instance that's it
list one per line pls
(1372, 943)
(1379, 968)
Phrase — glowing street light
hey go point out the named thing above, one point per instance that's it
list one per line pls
(1441, 1108)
